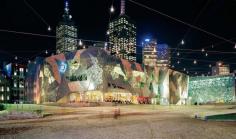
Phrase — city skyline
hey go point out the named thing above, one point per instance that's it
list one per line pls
(122, 69)
(92, 25)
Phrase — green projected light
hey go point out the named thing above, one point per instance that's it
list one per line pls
(211, 89)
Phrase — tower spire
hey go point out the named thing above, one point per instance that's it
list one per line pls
(122, 7)
(66, 7)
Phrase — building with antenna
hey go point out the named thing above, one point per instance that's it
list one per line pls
(122, 36)
(66, 33)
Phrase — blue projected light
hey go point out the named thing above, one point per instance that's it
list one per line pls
(8, 69)
(62, 67)
(147, 40)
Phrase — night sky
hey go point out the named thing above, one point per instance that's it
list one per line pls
(92, 17)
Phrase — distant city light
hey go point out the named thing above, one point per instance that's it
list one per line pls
(195, 62)
(108, 32)
(112, 9)
(16, 57)
(80, 43)
(178, 54)
(210, 66)
(147, 40)
(235, 46)
(178, 62)
(182, 42)
(46, 52)
(105, 44)
(154, 50)
(203, 49)
(49, 28)
(206, 54)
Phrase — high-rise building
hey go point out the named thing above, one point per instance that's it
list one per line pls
(66, 33)
(163, 55)
(155, 54)
(122, 36)
(220, 69)
(150, 53)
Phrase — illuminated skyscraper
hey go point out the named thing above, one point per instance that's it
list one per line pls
(155, 54)
(66, 33)
(150, 53)
(163, 55)
(220, 69)
(122, 36)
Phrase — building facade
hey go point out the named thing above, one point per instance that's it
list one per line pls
(155, 54)
(163, 55)
(212, 89)
(150, 53)
(66, 33)
(122, 36)
(4, 89)
(93, 75)
(13, 83)
(18, 83)
(220, 69)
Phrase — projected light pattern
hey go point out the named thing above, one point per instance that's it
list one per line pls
(212, 89)
(92, 75)
(8, 69)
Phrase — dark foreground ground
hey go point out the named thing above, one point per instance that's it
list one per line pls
(135, 122)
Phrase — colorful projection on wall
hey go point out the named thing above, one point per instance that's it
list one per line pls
(89, 71)
(62, 66)
(213, 89)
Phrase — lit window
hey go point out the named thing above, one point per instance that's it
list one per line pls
(15, 84)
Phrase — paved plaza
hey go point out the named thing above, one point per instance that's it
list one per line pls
(135, 122)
